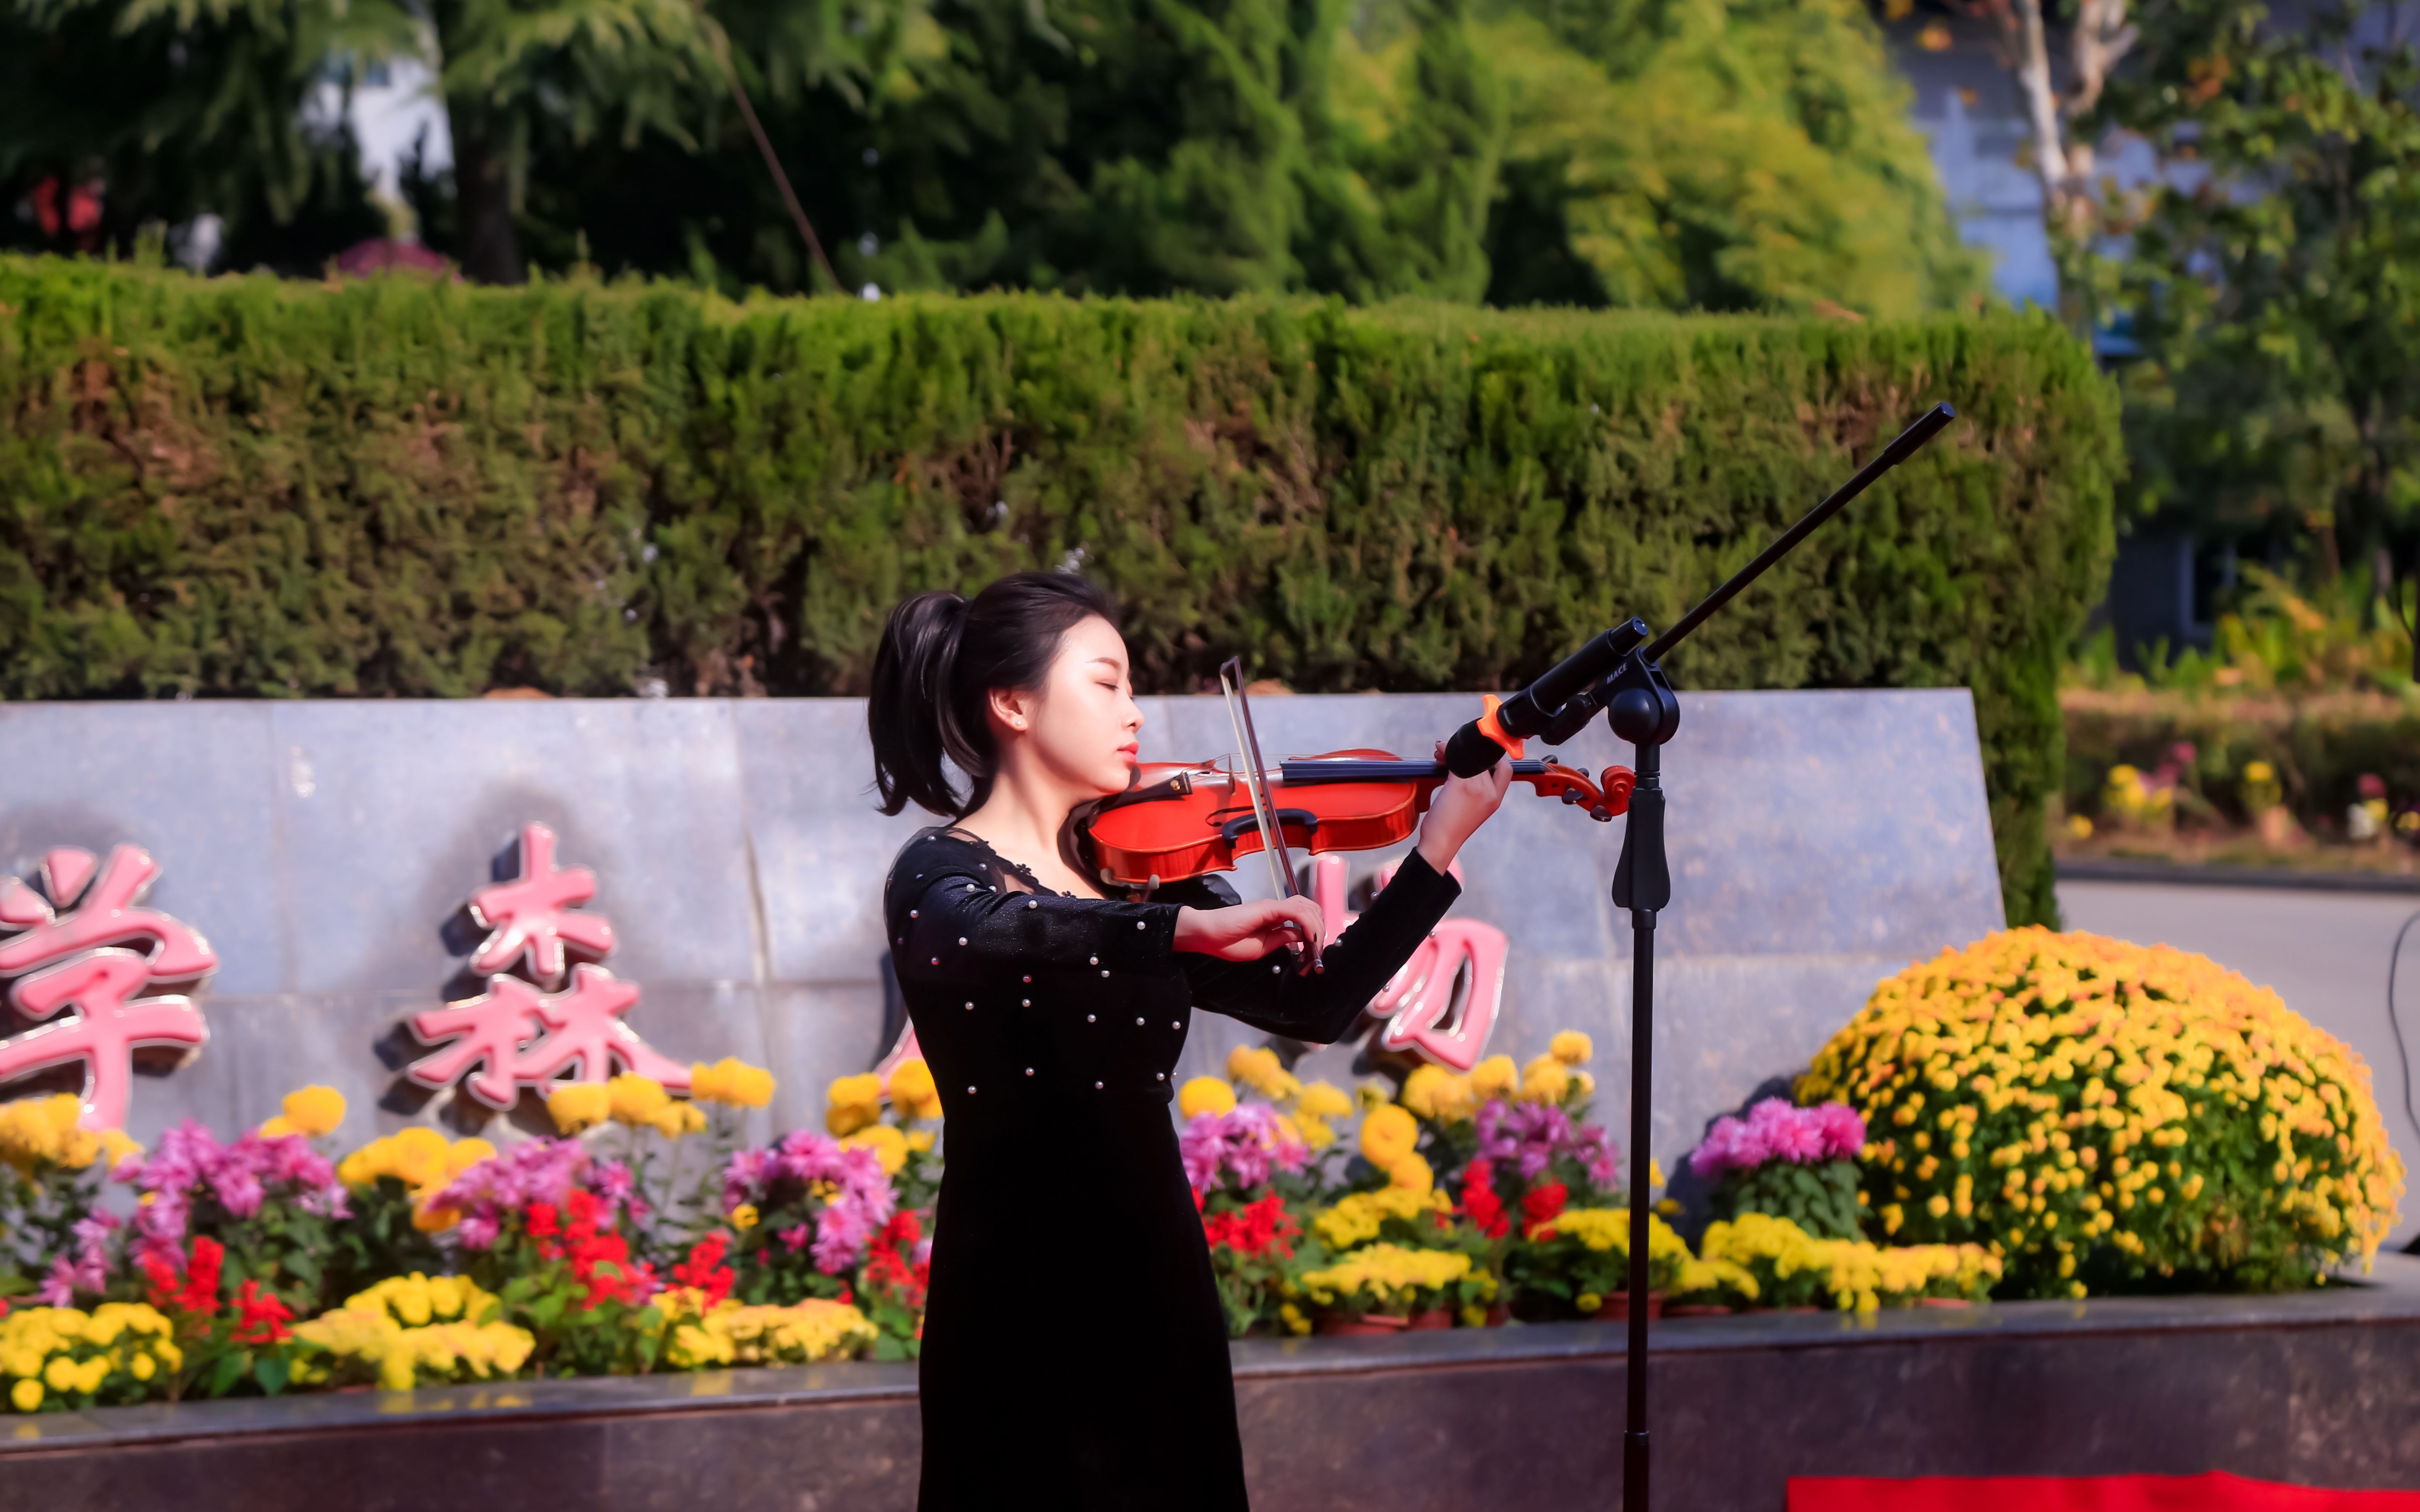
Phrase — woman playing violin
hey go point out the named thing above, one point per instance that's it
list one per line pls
(1075, 1354)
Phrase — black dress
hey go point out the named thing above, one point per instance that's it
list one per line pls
(1075, 1355)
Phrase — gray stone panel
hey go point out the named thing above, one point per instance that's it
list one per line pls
(393, 813)
(189, 782)
(1820, 841)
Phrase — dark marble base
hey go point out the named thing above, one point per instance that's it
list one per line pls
(2322, 1389)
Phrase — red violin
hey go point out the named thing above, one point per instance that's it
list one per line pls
(1180, 820)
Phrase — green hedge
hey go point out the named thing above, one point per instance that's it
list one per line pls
(242, 488)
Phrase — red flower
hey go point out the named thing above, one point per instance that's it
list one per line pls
(888, 1268)
(260, 1316)
(1541, 1206)
(1255, 1229)
(197, 1290)
(1480, 1203)
(704, 1268)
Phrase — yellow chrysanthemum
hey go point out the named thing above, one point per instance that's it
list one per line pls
(1420, 1089)
(1387, 1134)
(1204, 1094)
(315, 1111)
(1572, 1048)
(1259, 1068)
(677, 1119)
(1545, 1080)
(1323, 1099)
(854, 1102)
(2044, 1092)
(1412, 1174)
(1494, 1077)
(577, 1105)
(636, 1100)
(732, 1083)
(912, 1089)
(744, 1217)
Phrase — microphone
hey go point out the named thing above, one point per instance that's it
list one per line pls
(1477, 746)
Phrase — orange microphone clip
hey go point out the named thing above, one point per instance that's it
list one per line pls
(1488, 727)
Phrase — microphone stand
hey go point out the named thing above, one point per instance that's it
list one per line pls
(1644, 710)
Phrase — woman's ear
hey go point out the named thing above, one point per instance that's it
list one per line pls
(1012, 708)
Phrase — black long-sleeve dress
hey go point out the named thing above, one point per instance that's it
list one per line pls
(1075, 1355)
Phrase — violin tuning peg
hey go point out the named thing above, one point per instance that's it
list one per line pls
(1601, 815)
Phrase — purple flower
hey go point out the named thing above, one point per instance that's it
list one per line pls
(860, 1204)
(1534, 1135)
(1245, 1143)
(1775, 1130)
(241, 1178)
(541, 1170)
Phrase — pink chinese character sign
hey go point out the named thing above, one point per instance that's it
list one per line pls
(516, 1034)
(83, 953)
(1417, 1007)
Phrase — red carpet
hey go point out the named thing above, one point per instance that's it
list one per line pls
(2214, 1492)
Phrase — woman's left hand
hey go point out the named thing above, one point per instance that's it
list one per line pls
(1461, 805)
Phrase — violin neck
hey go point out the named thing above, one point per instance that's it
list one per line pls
(1349, 769)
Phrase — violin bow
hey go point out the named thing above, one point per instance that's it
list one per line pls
(1248, 753)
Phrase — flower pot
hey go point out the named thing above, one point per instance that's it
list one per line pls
(1340, 1325)
(1617, 1307)
(1499, 1315)
(1696, 1309)
(1433, 1318)
(1943, 1302)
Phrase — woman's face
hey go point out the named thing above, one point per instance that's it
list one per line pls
(1081, 724)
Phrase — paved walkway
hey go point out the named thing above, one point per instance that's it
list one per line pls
(2325, 952)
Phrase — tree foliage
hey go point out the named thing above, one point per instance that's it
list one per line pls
(2272, 278)
(1676, 154)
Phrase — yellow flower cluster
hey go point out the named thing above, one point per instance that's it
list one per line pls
(1605, 1229)
(1259, 1068)
(1858, 1276)
(1205, 1094)
(732, 1083)
(310, 1111)
(1356, 1219)
(1388, 1274)
(69, 1357)
(423, 1160)
(733, 1333)
(2125, 797)
(890, 1145)
(42, 1133)
(408, 1331)
(629, 1099)
(1436, 1093)
(855, 1102)
(2048, 1094)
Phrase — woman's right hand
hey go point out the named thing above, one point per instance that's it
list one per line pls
(1249, 930)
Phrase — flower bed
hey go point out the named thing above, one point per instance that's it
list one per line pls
(2037, 1114)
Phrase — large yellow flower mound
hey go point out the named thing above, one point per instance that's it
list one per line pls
(732, 1333)
(64, 1357)
(411, 1331)
(2096, 1111)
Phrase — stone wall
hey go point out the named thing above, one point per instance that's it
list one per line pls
(1820, 841)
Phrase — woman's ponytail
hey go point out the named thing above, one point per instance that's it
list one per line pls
(939, 659)
(907, 711)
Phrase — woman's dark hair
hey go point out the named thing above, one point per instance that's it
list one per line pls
(940, 657)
